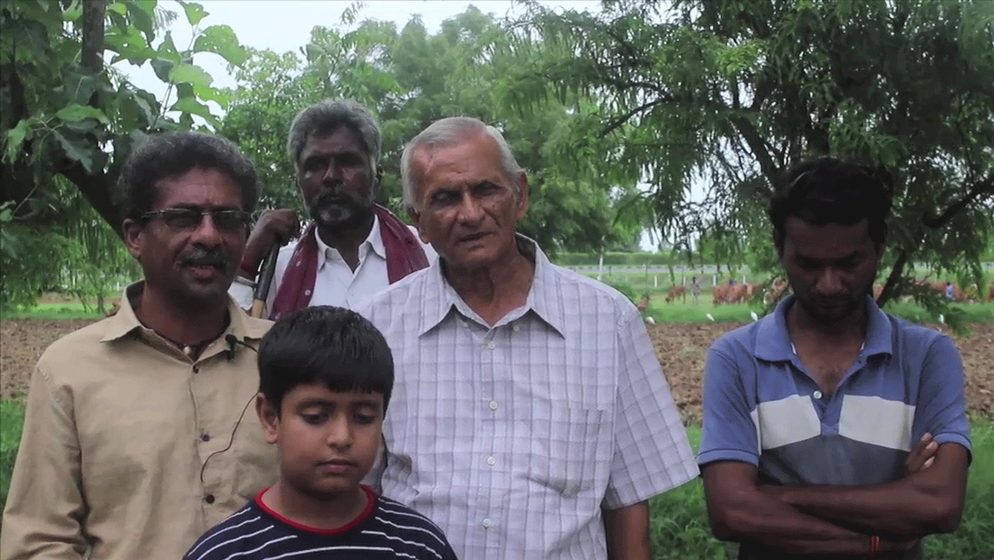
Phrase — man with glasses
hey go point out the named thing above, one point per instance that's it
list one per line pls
(138, 435)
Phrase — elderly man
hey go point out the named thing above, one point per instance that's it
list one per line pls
(136, 438)
(354, 248)
(830, 427)
(530, 416)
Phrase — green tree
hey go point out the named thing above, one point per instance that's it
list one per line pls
(728, 94)
(68, 116)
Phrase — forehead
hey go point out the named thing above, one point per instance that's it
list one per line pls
(198, 187)
(339, 141)
(319, 393)
(467, 162)
(826, 242)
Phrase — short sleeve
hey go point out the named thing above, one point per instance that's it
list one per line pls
(652, 453)
(941, 409)
(728, 431)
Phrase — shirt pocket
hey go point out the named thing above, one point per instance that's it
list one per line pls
(570, 448)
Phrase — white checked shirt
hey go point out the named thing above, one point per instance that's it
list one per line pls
(512, 438)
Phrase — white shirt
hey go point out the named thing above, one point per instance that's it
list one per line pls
(336, 283)
(511, 438)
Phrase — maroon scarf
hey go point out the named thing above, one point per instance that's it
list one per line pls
(404, 256)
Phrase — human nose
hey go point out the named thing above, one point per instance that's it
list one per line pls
(332, 173)
(470, 209)
(829, 282)
(207, 232)
(339, 432)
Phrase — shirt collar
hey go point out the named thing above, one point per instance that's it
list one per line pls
(125, 321)
(543, 296)
(373, 242)
(773, 339)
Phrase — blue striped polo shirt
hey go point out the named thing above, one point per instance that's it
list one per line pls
(761, 407)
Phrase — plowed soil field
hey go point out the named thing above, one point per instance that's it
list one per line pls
(679, 347)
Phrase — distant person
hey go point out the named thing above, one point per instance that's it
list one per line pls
(136, 438)
(731, 281)
(530, 417)
(353, 248)
(950, 290)
(832, 428)
(326, 376)
(695, 289)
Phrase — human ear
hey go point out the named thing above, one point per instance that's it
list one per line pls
(268, 417)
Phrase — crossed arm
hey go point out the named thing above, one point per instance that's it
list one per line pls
(838, 519)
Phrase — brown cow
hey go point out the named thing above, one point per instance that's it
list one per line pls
(675, 292)
(775, 292)
(737, 293)
(990, 292)
(720, 294)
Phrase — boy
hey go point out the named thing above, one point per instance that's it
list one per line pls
(326, 377)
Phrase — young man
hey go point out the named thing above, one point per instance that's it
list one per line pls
(354, 247)
(326, 376)
(134, 438)
(531, 418)
(831, 427)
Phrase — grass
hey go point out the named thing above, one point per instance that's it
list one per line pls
(11, 421)
(678, 519)
(53, 311)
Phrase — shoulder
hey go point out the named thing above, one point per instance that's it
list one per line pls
(409, 524)
(407, 291)
(229, 536)
(741, 340)
(69, 350)
(592, 294)
(909, 335)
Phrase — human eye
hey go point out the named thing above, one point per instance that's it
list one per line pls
(486, 189)
(442, 198)
(230, 219)
(314, 418)
(182, 218)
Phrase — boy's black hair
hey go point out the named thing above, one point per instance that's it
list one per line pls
(326, 345)
(827, 190)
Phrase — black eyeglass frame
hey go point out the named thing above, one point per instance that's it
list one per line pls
(220, 217)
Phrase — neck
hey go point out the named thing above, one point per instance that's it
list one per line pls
(849, 327)
(318, 512)
(495, 290)
(183, 324)
(348, 238)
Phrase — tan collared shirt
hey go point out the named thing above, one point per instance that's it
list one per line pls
(130, 449)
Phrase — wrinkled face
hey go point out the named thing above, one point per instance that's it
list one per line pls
(327, 440)
(192, 261)
(465, 205)
(336, 179)
(831, 267)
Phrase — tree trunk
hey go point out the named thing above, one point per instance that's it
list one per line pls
(890, 290)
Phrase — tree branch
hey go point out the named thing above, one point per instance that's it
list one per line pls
(985, 186)
(618, 121)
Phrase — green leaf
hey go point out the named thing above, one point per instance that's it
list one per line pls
(190, 106)
(74, 11)
(76, 113)
(15, 139)
(194, 12)
(162, 68)
(212, 94)
(118, 7)
(143, 17)
(77, 150)
(222, 41)
(190, 74)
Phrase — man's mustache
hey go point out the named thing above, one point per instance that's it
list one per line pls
(205, 257)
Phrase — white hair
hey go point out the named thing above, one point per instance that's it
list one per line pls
(448, 131)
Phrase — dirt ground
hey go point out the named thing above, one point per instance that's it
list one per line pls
(679, 347)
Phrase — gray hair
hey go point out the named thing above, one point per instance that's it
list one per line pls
(448, 131)
(325, 117)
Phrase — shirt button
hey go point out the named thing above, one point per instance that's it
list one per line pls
(307, 292)
(196, 368)
(205, 437)
(493, 405)
(209, 498)
(516, 328)
(491, 461)
(817, 394)
(491, 345)
(486, 523)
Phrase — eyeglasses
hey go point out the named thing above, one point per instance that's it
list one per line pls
(190, 218)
